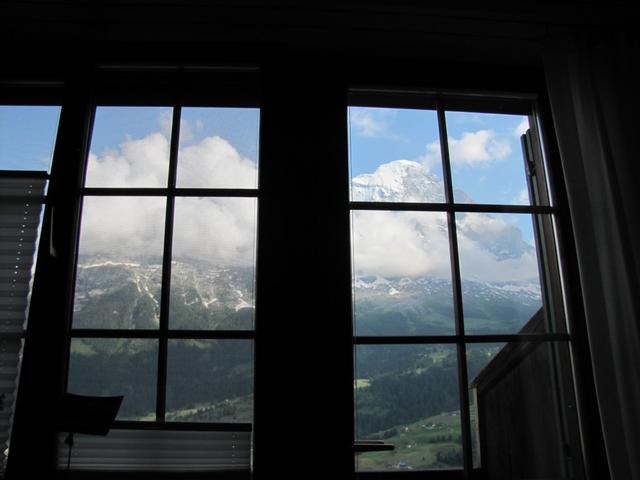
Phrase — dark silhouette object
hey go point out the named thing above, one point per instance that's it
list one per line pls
(88, 415)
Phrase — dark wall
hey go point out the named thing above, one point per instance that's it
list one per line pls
(496, 32)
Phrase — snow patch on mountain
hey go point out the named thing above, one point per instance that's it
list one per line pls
(107, 263)
(398, 181)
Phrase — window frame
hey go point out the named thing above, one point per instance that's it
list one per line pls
(164, 333)
(174, 86)
(288, 79)
(549, 247)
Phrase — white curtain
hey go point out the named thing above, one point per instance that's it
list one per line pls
(593, 86)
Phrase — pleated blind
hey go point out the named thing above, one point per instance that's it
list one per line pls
(21, 201)
(158, 451)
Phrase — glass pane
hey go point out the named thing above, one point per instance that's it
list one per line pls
(401, 273)
(487, 164)
(213, 268)
(27, 136)
(394, 155)
(119, 263)
(219, 148)
(116, 367)
(501, 288)
(130, 147)
(522, 408)
(210, 381)
(407, 396)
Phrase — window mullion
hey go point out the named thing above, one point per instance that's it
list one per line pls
(161, 400)
(463, 382)
(444, 152)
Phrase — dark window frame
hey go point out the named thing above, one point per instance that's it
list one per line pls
(549, 248)
(81, 82)
(164, 333)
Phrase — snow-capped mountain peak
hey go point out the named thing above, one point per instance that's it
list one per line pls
(398, 181)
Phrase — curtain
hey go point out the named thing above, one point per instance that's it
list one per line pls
(593, 85)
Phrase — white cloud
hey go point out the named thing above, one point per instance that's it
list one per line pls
(220, 230)
(522, 127)
(472, 148)
(522, 198)
(118, 227)
(432, 157)
(165, 120)
(140, 162)
(414, 244)
(215, 163)
(493, 249)
(477, 147)
(372, 122)
(400, 244)
(186, 130)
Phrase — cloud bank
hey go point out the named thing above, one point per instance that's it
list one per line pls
(372, 122)
(415, 244)
(222, 231)
(217, 230)
(471, 149)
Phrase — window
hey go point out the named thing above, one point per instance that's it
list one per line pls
(164, 293)
(27, 136)
(460, 338)
(423, 225)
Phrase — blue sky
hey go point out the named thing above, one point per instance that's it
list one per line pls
(115, 125)
(380, 135)
(240, 126)
(27, 133)
(130, 147)
(27, 136)
(486, 156)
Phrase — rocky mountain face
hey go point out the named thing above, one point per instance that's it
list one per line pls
(424, 305)
(398, 181)
(125, 293)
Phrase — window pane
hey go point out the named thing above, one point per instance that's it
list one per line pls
(213, 268)
(130, 147)
(394, 155)
(116, 367)
(119, 263)
(487, 164)
(218, 148)
(407, 395)
(401, 273)
(210, 381)
(501, 288)
(523, 409)
(27, 136)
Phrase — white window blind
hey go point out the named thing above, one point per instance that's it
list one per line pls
(21, 200)
(158, 451)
